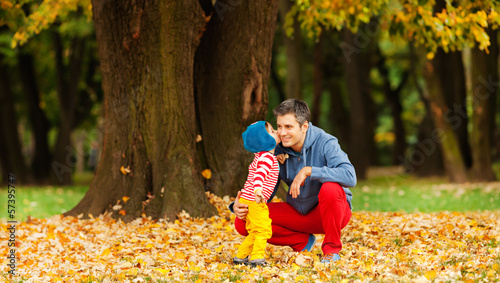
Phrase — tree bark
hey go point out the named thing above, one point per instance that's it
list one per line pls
(294, 58)
(232, 69)
(11, 156)
(485, 82)
(147, 51)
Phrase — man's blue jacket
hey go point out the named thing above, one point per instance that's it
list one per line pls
(329, 163)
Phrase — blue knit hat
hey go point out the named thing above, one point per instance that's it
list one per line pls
(257, 139)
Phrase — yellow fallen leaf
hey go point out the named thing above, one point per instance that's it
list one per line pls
(207, 251)
(430, 275)
(125, 199)
(162, 271)
(124, 170)
(179, 255)
(207, 174)
(105, 252)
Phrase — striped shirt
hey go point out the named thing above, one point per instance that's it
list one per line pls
(262, 174)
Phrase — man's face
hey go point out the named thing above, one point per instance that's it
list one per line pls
(291, 133)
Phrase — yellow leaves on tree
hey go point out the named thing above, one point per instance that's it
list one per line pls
(459, 25)
(40, 16)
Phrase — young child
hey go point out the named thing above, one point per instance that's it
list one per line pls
(261, 139)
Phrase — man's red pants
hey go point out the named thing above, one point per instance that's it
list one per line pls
(290, 228)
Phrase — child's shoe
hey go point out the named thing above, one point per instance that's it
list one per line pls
(258, 262)
(237, 260)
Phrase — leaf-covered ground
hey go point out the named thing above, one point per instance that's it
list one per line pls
(384, 247)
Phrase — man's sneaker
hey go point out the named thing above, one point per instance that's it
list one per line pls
(237, 260)
(258, 262)
(329, 258)
(310, 243)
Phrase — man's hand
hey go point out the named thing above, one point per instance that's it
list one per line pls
(259, 198)
(299, 181)
(240, 209)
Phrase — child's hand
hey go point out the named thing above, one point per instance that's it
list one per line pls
(259, 198)
(282, 157)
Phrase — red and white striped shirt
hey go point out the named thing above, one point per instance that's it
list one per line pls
(262, 174)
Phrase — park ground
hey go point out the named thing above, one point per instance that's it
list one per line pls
(440, 233)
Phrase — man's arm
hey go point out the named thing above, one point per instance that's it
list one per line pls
(338, 168)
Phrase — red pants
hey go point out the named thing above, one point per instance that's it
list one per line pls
(290, 228)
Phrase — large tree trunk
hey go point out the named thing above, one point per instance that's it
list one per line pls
(232, 71)
(293, 50)
(147, 51)
(40, 163)
(485, 88)
(11, 156)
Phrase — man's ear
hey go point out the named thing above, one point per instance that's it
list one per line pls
(305, 126)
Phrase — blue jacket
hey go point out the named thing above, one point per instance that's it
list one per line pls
(329, 163)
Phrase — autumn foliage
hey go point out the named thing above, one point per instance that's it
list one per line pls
(459, 24)
(389, 246)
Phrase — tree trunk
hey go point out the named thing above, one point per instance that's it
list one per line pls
(357, 70)
(318, 78)
(392, 98)
(450, 146)
(294, 50)
(40, 163)
(485, 82)
(334, 78)
(11, 156)
(452, 75)
(64, 161)
(232, 69)
(147, 54)
(426, 158)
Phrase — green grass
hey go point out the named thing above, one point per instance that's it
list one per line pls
(41, 202)
(409, 194)
(381, 192)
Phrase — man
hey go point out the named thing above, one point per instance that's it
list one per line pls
(318, 173)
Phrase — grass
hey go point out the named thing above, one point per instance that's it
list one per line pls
(383, 191)
(410, 194)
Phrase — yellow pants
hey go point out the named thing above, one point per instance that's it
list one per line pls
(259, 229)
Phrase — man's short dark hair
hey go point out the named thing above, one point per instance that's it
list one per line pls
(294, 106)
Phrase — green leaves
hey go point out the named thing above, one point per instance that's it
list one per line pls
(27, 18)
